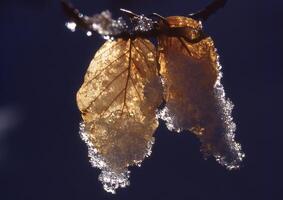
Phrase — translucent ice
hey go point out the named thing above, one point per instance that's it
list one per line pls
(110, 179)
(105, 25)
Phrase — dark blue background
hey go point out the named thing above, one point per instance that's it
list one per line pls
(42, 65)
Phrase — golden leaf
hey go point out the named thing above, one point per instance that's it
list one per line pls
(118, 102)
(195, 99)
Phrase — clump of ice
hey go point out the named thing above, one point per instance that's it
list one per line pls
(226, 107)
(165, 115)
(110, 179)
(143, 24)
(219, 141)
(149, 147)
(71, 26)
(235, 156)
(105, 25)
(101, 23)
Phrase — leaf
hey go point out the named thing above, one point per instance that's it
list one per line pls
(195, 99)
(118, 102)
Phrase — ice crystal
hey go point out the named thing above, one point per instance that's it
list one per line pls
(105, 25)
(110, 179)
(165, 115)
(234, 157)
(149, 147)
(144, 24)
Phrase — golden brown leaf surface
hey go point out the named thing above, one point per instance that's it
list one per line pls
(190, 73)
(118, 99)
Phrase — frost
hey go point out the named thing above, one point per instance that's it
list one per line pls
(143, 24)
(101, 23)
(110, 179)
(235, 156)
(105, 25)
(149, 147)
(165, 115)
(194, 96)
(226, 151)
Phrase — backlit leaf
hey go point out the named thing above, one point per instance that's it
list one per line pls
(195, 99)
(118, 101)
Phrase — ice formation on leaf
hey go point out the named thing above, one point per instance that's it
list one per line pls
(128, 79)
(118, 101)
(110, 179)
(195, 99)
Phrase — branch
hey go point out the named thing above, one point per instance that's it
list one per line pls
(209, 10)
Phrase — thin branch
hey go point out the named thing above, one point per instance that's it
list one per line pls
(209, 10)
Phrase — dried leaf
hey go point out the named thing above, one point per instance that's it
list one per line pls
(118, 101)
(195, 99)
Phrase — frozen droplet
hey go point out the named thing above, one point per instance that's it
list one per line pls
(107, 37)
(89, 33)
(71, 26)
